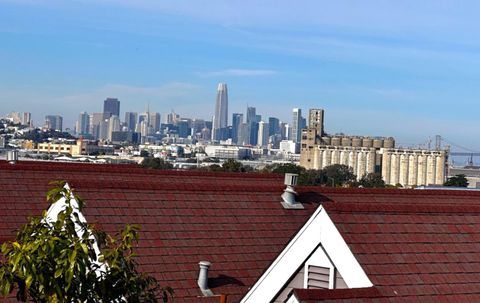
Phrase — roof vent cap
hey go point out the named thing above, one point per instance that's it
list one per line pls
(289, 195)
(12, 156)
(203, 278)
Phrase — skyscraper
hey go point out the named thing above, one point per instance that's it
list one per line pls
(54, 122)
(251, 114)
(274, 126)
(111, 107)
(296, 125)
(83, 123)
(315, 120)
(113, 126)
(155, 121)
(237, 119)
(183, 129)
(172, 118)
(244, 134)
(262, 134)
(220, 119)
(253, 133)
(95, 120)
(27, 119)
(131, 120)
(285, 131)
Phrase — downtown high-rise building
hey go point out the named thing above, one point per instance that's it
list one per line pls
(113, 126)
(111, 107)
(198, 125)
(83, 124)
(262, 137)
(27, 119)
(172, 117)
(220, 119)
(95, 120)
(297, 124)
(237, 120)
(183, 127)
(244, 134)
(154, 120)
(273, 126)
(54, 122)
(252, 121)
(131, 120)
(251, 114)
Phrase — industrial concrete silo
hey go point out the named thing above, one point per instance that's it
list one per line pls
(367, 142)
(346, 141)
(378, 143)
(336, 141)
(357, 142)
(389, 143)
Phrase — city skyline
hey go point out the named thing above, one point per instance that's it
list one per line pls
(406, 70)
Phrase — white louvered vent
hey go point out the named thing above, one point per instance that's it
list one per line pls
(318, 277)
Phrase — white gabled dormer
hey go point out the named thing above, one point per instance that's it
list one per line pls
(317, 257)
(60, 205)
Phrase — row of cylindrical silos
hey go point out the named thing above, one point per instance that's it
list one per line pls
(354, 141)
(361, 160)
(413, 168)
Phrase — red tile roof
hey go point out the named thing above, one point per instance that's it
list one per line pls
(414, 245)
(411, 243)
(235, 221)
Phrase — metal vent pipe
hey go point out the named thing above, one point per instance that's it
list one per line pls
(289, 195)
(12, 156)
(203, 278)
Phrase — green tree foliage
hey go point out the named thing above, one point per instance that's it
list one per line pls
(56, 262)
(232, 166)
(214, 167)
(372, 180)
(457, 181)
(38, 135)
(312, 177)
(156, 163)
(339, 175)
(284, 169)
(228, 166)
(333, 175)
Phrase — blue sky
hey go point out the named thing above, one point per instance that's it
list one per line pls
(408, 69)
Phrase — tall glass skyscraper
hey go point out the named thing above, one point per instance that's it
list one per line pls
(111, 107)
(220, 119)
(237, 120)
(297, 125)
(83, 123)
(54, 122)
(131, 120)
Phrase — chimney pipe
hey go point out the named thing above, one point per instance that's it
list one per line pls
(289, 195)
(12, 156)
(203, 278)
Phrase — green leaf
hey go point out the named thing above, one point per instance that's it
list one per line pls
(58, 272)
(28, 281)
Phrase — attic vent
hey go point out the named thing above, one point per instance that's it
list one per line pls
(289, 195)
(318, 277)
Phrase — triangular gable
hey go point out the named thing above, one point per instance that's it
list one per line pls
(319, 230)
(60, 205)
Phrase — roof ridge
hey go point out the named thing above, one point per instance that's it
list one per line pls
(350, 207)
(396, 191)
